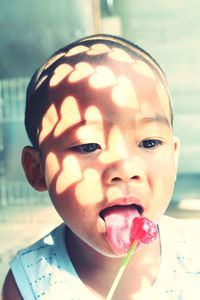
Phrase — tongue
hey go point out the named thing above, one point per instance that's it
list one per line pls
(118, 222)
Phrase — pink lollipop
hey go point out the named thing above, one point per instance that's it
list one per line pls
(143, 230)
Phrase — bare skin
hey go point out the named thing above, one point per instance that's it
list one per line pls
(10, 290)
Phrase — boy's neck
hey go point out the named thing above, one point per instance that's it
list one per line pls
(97, 271)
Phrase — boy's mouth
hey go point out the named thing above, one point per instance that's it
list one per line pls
(106, 210)
(118, 221)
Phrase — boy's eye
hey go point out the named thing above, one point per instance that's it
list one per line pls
(86, 148)
(150, 144)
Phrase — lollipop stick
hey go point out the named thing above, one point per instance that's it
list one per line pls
(121, 270)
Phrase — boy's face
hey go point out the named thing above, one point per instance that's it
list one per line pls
(107, 143)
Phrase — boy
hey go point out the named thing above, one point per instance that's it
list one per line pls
(99, 117)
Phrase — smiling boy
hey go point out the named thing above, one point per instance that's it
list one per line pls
(99, 116)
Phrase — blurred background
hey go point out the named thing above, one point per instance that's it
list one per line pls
(30, 32)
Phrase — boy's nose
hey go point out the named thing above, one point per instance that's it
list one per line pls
(124, 170)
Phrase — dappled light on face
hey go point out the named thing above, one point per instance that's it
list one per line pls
(92, 114)
(116, 147)
(120, 55)
(70, 109)
(89, 190)
(124, 94)
(103, 77)
(97, 101)
(143, 69)
(81, 71)
(70, 174)
(48, 122)
(59, 74)
(93, 127)
(52, 165)
(113, 193)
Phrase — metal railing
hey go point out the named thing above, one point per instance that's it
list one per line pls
(13, 186)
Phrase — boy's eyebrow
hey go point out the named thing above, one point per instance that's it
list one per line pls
(157, 119)
(81, 123)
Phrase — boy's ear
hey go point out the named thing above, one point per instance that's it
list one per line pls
(31, 163)
(177, 147)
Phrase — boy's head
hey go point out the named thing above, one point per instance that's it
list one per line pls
(99, 117)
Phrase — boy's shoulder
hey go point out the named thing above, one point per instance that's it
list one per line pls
(39, 266)
(44, 270)
(46, 244)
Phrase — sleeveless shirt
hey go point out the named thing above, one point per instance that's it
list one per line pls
(44, 270)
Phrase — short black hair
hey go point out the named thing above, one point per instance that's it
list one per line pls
(37, 100)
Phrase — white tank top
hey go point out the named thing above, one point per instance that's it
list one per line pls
(44, 270)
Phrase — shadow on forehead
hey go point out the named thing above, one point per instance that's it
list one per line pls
(94, 48)
(84, 68)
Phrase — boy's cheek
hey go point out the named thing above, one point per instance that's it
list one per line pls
(62, 174)
(89, 190)
(68, 175)
(163, 166)
(52, 167)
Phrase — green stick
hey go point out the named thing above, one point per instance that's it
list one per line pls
(121, 270)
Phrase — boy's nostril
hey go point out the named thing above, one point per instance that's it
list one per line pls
(135, 177)
(116, 179)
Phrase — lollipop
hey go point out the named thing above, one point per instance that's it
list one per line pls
(143, 231)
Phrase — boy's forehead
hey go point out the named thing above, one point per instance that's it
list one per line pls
(116, 77)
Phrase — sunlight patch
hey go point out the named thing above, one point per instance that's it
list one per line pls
(103, 77)
(81, 71)
(48, 122)
(65, 178)
(76, 50)
(97, 49)
(125, 87)
(69, 105)
(120, 55)
(59, 74)
(53, 167)
(89, 190)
